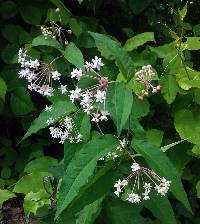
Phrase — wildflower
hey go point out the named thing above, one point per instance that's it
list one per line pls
(75, 94)
(50, 121)
(48, 108)
(145, 76)
(40, 75)
(65, 129)
(97, 64)
(77, 74)
(141, 190)
(100, 96)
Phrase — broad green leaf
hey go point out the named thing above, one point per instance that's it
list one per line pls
(103, 181)
(20, 102)
(188, 125)
(169, 88)
(34, 201)
(120, 212)
(140, 108)
(32, 182)
(138, 40)
(75, 27)
(112, 50)
(188, 78)
(50, 42)
(196, 30)
(3, 89)
(41, 164)
(161, 208)
(81, 168)
(160, 163)
(155, 136)
(137, 6)
(119, 105)
(74, 56)
(9, 53)
(11, 33)
(60, 109)
(193, 43)
(5, 195)
(89, 213)
(198, 189)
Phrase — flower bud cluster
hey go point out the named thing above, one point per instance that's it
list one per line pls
(142, 181)
(40, 75)
(145, 76)
(56, 32)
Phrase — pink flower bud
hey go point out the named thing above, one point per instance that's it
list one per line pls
(158, 87)
(57, 10)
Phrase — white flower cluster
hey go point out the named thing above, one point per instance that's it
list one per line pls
(39, 75)
(64, 129)
(92, 99)
(116, 152)
(143, 179)
(145, 76)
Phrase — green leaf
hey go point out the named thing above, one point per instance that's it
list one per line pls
(89, 213)
(65, 14)
(5, 195)
(50, 42)
(193, 43)
(161, 208)
(20, 102)
(74, 56)
(34, 201)
(187, 125)
(137, 6)
(198, 189)
(140, 108)
(6, 172)
(119, 105)
(183, 12)
(8, 9)
(155, 136)
(169, 88)
(159, 162)
(80, 1)
(120, 212)
(3, 89)
(112, 50)
(60, 109)
(41, 164)
(30, 13)
(138, 40)
(81, 168)
(103, 180)
(11, 33)
(32, 182)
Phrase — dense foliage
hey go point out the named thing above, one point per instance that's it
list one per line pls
(145, 110)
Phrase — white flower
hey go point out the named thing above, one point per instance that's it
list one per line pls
(135, 167)
(77, 74)
(104, 114)
(147, 186)
(75, 94)
(47, 90)
(97, 64)
(88, 66)
(55, 75)
(63, 89)
(122, 144)
(50, 121)
(95, 117)
(79, 138)
(34, 64)
(100, 96)
(163, 187)
(24, 73)
(48, 108)
(134, 198)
